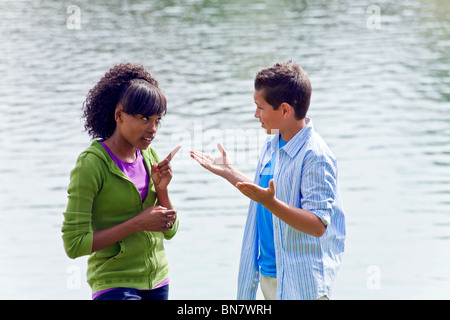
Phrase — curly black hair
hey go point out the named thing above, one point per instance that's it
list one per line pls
(129, 85)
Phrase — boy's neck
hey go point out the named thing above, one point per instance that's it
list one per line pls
(292, 128)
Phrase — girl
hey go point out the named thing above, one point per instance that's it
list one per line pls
(119, 210)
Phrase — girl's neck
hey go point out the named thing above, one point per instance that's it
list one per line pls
(121, 148)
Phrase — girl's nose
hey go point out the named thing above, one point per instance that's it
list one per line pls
(152, 126)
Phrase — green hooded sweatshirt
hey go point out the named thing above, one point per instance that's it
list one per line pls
(100, 196)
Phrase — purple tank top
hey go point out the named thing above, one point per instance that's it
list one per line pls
(136, 171)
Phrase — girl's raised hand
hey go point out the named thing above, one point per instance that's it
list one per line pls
(162, 172)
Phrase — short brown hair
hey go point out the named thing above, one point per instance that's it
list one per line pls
(285, 82)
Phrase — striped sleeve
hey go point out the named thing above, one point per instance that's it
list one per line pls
(319, 187)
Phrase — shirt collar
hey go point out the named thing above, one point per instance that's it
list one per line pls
(296, 143)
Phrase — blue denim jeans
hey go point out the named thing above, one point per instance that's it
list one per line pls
(161, 293)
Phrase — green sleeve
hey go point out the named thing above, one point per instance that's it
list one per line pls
(85, 182)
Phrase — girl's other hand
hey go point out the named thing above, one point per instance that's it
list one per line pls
(157, 219)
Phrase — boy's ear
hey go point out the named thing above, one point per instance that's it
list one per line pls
(287, 110)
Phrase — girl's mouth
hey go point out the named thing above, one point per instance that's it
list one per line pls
(148, 139)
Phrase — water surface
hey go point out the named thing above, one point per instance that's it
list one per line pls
(381, 100)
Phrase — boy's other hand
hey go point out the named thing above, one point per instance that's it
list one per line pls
(256, 193)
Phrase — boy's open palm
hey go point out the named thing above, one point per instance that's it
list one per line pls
(218, 165)
(256, 193)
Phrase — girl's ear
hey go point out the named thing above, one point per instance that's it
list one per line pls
(118, 113)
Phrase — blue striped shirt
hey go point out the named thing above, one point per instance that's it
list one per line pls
(305, 177)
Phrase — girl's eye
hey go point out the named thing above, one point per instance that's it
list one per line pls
(157, 120)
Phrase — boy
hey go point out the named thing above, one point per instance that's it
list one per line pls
(295, 230)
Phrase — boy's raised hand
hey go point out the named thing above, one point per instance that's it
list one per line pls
(256, 193)
(218, 165)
